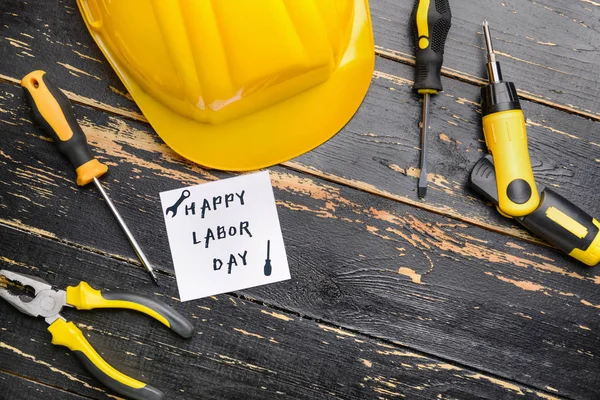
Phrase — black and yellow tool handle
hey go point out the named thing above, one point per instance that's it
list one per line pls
(54, 112)
(506, 138)
(566, 226)
(431, 20)
(556, 219)
(68, 335)
(84, 297)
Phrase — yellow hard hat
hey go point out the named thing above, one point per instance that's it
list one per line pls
(239, 84)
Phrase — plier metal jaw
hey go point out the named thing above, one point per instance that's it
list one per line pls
(47, 302)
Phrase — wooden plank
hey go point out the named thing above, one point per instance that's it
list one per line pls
(241, 349)
(378, 150)
(550, 42)
(53, 37)
(18, 388)
(361, 262)
(547, 47)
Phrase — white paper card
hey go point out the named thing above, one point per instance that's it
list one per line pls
(224, 236)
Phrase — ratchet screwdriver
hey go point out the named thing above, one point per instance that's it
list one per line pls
(506, 139)
(53, 111)
(431, 20)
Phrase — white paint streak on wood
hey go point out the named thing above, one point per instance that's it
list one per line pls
(336, 330)
(77, 70)
(277, 315)
(44, 363)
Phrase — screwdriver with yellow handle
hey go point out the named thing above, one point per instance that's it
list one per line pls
(54, 112)
(506, 139)
(431, 22)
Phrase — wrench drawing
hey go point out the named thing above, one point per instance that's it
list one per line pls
(184, 195)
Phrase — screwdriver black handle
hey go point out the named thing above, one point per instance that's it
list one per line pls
(54, 112)
(431, 20)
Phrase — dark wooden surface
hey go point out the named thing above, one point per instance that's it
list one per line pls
(391, 297)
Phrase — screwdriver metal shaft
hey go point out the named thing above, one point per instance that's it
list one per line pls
(488, 40)
(123, 225)
(422, 185)
(493, 66)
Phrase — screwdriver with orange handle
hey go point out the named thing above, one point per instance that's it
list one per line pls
(431, 23)
(54, 112)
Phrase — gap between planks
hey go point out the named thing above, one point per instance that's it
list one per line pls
(408, 59)
(390, 54)
(368, 188)
(40, 383)
(50, 236)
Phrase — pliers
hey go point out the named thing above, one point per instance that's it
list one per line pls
(48, 302)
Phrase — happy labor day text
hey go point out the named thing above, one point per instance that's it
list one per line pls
(221, 232)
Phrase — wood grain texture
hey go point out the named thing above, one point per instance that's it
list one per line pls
(548, 44)
(378, 151)
(240, 349)
(18, 388)
(389, 297)
(392, 272)
(547, 47)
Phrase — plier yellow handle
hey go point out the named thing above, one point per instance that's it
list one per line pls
(48, 302)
